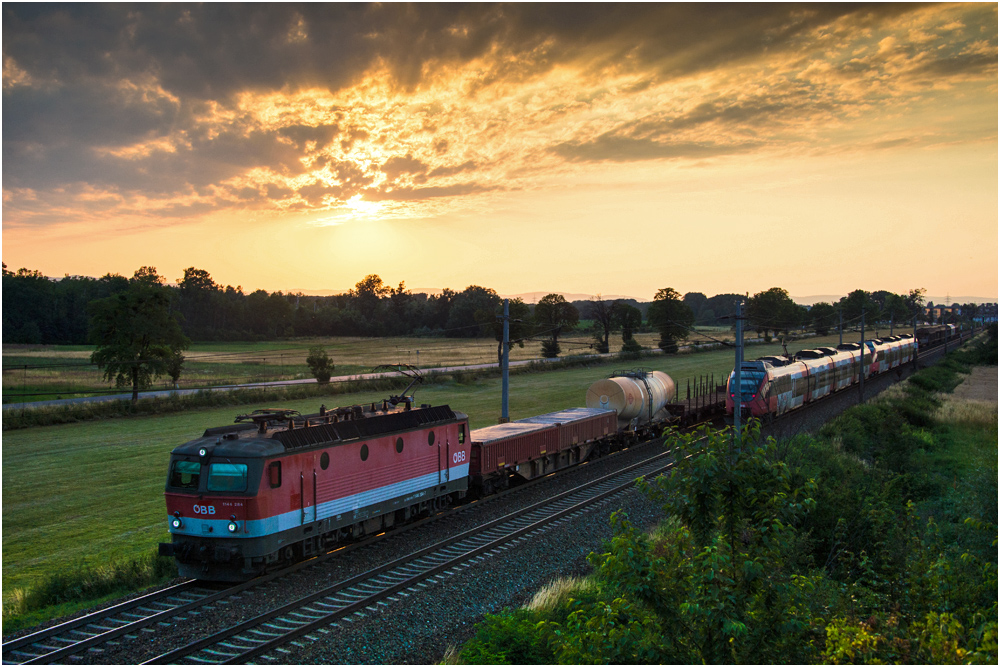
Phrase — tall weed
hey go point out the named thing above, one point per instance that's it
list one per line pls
(85, 584)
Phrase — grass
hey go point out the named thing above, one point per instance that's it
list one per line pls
(80, 496)
(34, 373)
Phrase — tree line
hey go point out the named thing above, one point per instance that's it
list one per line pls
(39, 310)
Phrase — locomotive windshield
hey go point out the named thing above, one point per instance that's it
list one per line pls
(185, 474)
(227, 477)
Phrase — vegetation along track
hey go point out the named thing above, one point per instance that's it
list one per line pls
(269, 632)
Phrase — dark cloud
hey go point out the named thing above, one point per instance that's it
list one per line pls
(469, 165)
(214, 50)
(614, 148)
(322, 135)
(98, 77)
(397, 166)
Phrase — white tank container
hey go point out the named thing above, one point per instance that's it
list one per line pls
(630, 396)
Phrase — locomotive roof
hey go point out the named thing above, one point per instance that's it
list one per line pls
(316, 430)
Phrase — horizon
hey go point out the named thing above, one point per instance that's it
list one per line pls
(806, 300)
(606, 149)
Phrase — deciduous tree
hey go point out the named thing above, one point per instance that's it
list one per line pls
(519, 327)
(773, 310)
(823, 317)
(671, 316)
(553, 315)
(628, 318)
(602, 312)
(136, 335)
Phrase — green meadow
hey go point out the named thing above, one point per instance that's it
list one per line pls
(45, 372)
(89, 495)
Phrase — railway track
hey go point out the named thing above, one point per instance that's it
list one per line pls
(264, 636)
(58, 642)
(85, 639)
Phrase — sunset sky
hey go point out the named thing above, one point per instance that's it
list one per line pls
(611, 149)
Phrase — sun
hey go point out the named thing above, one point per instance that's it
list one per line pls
(364, 209)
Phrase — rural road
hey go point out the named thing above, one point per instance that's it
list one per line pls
(181, 392)
(163, 393)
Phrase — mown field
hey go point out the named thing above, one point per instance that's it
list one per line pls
(87, 494)
(38, 373)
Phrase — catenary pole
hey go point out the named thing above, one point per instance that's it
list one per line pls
(505, 365)
(861, 381)
(737, 375)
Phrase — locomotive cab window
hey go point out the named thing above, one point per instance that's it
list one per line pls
(227, 477)
(461, 434)
(185, 474)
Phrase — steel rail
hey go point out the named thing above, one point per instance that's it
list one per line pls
(90, 630)
(398, 575)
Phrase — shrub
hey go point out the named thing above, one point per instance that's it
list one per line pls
(631, 349)
(320, 364)
(510, 638)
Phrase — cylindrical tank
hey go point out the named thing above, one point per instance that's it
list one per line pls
(630, 394)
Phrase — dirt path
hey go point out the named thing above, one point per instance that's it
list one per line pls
(980, 385)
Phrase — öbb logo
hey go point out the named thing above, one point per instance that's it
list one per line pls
(204, 509)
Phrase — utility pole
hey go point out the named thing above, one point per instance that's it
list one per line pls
(861, 381)
(840, 325)
(505, 365)
(738, 376)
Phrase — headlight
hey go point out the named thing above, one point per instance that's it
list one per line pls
(176, 523)
(233, 527)
(202, 452)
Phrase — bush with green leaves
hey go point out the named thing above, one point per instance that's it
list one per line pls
(320, 364)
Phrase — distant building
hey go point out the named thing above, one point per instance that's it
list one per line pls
(986, 314)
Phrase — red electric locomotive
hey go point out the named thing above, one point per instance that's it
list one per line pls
(252, 495)
(771, 386)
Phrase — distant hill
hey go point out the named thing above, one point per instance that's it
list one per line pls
(810, 300)
(534, 297)
(527, 297)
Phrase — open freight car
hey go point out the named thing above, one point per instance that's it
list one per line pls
(536, 446)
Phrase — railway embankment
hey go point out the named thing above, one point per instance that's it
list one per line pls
(893, 559)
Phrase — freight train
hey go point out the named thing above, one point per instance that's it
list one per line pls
(937, 334)
(277, 486)
(772, 386)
